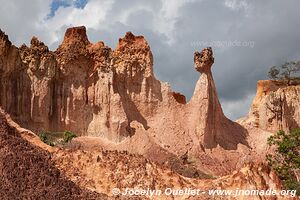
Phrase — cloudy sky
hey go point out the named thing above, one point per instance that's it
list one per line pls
(247, 36)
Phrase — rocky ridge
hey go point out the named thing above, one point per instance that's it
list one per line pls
(275, 106)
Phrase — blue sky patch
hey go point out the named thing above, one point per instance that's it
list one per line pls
(56, 4)
(80, 3)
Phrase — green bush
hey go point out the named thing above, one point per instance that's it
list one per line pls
(68, 136)
(286, 158)
(44, 138)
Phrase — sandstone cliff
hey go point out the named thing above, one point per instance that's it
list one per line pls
(82, 87)
(275, 106)
(93, 90)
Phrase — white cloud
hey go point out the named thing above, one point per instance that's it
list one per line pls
(167, 17)
(21, 19)
(33, 16)
(91, 16)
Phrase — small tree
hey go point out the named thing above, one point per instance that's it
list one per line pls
(286, 158)
(273, 73)
(287, 71)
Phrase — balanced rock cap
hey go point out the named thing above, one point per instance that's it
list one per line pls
(204, 60)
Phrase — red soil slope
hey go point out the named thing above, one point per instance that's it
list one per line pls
(27, 172)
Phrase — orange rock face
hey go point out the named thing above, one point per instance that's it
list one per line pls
(87, 88)
(275, 106)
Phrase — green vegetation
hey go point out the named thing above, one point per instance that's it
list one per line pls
(57, 138)
(43, 136)
(68, 136)
(288, 71)
(286, 158)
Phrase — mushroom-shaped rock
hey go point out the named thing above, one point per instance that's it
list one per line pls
(207, 120)
(204, 60)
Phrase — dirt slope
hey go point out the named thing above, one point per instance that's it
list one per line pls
(27, 172)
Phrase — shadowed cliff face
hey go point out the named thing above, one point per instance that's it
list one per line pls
(83, 87)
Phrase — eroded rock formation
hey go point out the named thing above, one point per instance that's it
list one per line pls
(275, 106)
(93, 90)
(83, 87)
(207, 118)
